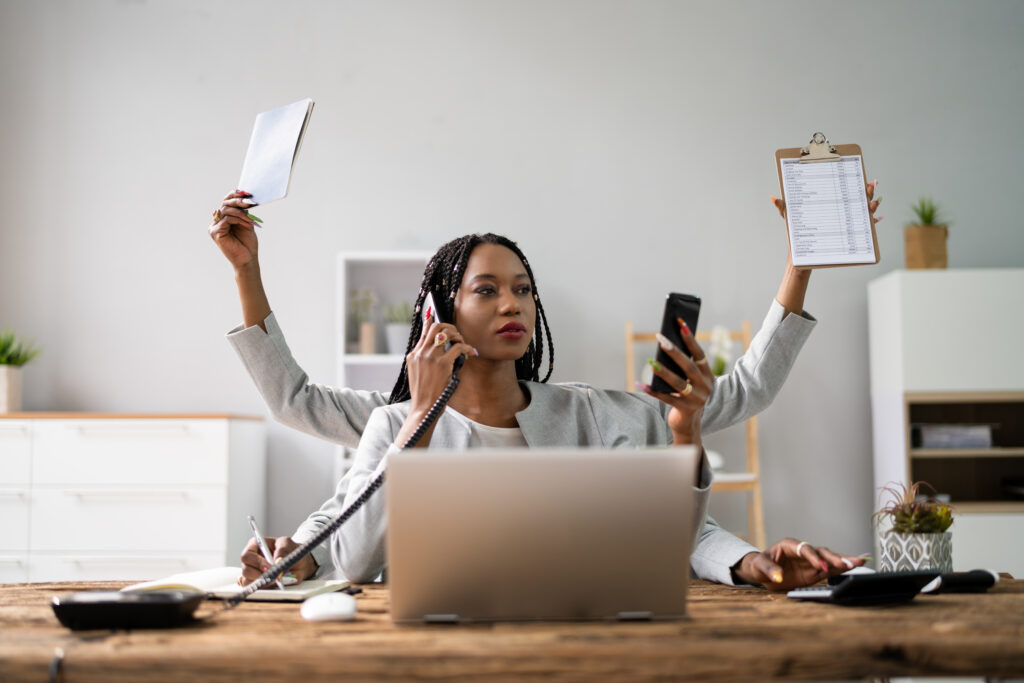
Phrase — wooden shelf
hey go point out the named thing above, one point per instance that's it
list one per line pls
(987, 506)
(964, 396)
(966, 452)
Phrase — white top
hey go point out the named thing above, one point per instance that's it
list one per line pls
(485, 436)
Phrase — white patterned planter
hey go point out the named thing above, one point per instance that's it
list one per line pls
(906, 552)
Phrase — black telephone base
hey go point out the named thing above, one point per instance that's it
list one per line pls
(119, 610)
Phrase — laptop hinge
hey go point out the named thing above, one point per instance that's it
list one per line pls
(635, 616)
(441, 618)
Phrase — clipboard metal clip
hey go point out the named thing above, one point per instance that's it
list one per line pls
(818, 149)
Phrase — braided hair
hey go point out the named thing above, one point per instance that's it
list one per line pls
(444, 274)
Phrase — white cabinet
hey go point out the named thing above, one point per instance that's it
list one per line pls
(89, 497)
(382, 280)
(15, 487)
(945, 351)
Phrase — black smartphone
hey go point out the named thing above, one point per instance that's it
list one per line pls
(687, 307)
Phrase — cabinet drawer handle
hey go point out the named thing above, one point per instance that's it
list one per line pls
(12, 560)
(126, 559)
(133, 431)
(13, 493)
(97, 493)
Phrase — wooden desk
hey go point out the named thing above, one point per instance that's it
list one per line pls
(733, 633)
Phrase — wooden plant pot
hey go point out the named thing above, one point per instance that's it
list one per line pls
(367, 338)
(10, 389)
(925, 246)
(908, 552)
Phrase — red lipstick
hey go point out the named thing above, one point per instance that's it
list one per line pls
(512, 330)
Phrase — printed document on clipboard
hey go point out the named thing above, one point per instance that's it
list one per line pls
(273, 148)
(827, 214)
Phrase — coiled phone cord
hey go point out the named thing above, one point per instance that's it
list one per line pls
(287, 562)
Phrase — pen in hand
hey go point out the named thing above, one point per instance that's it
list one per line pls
(263, 547)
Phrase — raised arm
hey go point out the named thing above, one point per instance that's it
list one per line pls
(794, 283)
(335, 414)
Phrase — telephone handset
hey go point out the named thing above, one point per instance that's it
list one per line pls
(442, 314)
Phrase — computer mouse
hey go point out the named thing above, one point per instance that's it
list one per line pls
(335, 606)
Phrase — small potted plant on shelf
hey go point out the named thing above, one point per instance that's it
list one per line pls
(918, 536)
(925, 240)
(398, 327)
(362, 302)
(14, 353)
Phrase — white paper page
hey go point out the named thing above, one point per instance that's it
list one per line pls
(223, 583)
(203, 579)
(827, 212)
(272, 148)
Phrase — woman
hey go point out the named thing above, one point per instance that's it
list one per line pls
(340, 414)
(499, 326)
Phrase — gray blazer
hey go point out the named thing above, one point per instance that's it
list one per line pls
(558, 415)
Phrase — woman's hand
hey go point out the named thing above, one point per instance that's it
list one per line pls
(429, 367)
(690, 392)
(233, 230)
(254, 564)
(792, 564)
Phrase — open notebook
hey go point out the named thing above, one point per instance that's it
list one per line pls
(222, 582)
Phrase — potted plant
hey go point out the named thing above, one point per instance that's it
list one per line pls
(398, 327)
(918, 536)
(14, 353)
(925, 240)
(362, 302)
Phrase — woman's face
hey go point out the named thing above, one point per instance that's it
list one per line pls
(494, 306)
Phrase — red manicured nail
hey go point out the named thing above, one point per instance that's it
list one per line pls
(824, 567)
(683, 326)
(244, 194)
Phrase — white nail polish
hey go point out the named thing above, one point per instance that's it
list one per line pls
(664, 341)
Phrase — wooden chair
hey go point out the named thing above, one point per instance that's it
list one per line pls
(749, 480)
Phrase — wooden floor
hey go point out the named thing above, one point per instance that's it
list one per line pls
(732, 634)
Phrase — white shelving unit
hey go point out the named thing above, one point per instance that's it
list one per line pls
(393, 277)
(945, 349)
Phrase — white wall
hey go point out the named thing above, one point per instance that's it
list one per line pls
(627, 146)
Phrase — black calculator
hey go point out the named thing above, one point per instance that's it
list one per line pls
(881, 588)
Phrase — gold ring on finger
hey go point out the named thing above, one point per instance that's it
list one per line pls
(701, 361)
(687, 390)
(217, 216)
(440, 338)
(800, 546)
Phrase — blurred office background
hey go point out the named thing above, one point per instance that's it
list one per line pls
(627, 146)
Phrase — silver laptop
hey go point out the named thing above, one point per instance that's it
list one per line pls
(510, 534)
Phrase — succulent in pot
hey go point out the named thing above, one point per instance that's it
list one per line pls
(918, 536)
